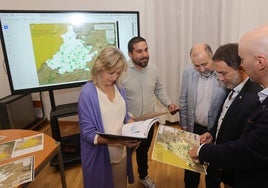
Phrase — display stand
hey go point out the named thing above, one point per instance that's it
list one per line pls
(70, 144)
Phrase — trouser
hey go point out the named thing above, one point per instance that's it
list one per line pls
(120, 173)
(142, 154)
(191, 179)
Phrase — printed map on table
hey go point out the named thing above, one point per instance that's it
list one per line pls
(17, 172)
(172, 146)
(6, 150)
(21, 146)
(2, 137)
(28, 145)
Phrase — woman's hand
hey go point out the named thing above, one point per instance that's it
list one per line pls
(131, 143)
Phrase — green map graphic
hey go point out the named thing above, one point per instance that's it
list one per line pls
(65, 53)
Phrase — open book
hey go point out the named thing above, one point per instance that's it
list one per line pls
(137, 130)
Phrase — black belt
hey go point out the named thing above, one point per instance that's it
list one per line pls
(200, 129)
(197, 124)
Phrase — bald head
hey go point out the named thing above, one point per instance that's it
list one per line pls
(255, 41)
(253, 49)
(200, 48)
(201, 56)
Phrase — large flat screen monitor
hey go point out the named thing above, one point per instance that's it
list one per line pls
(47, 50)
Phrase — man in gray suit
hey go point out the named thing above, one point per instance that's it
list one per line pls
(200, 99)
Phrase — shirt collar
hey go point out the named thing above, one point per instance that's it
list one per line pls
(263, 94)
(238, 88)
(212, 74)
(132, 66)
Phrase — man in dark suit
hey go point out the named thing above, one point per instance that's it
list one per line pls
(248, 155)
(238, 106)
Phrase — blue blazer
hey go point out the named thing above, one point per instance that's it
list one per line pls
(248, 155)
(234, 120)
(233, 123)
(188, 99)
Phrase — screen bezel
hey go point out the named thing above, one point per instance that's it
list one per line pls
(60, 85)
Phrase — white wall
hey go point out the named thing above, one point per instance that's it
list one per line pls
(246, 14)
(252, 14)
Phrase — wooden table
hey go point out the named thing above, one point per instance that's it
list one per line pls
(42, 157)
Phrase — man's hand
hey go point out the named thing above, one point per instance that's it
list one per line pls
(173, 109)
(193, 154)
(206, 138)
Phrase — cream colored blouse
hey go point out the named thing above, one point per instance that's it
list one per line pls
(113, 114)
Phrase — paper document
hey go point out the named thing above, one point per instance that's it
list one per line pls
(17, 172)
(21, 146)
(149, 116)
(172, 145)
(134, 130)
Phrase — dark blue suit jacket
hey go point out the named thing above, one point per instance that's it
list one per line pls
(234, 121)
(248, 155)
(239, 111)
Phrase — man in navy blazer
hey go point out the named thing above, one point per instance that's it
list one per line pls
(238, 106)
(248, 155)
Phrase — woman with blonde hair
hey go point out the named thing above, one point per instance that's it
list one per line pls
(102, 108)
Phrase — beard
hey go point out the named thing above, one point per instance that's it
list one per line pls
(142, 62)
(236, 80)
(206, 73)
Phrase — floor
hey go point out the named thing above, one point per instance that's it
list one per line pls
(165, 176)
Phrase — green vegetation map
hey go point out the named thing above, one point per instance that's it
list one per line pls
(65, 53)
